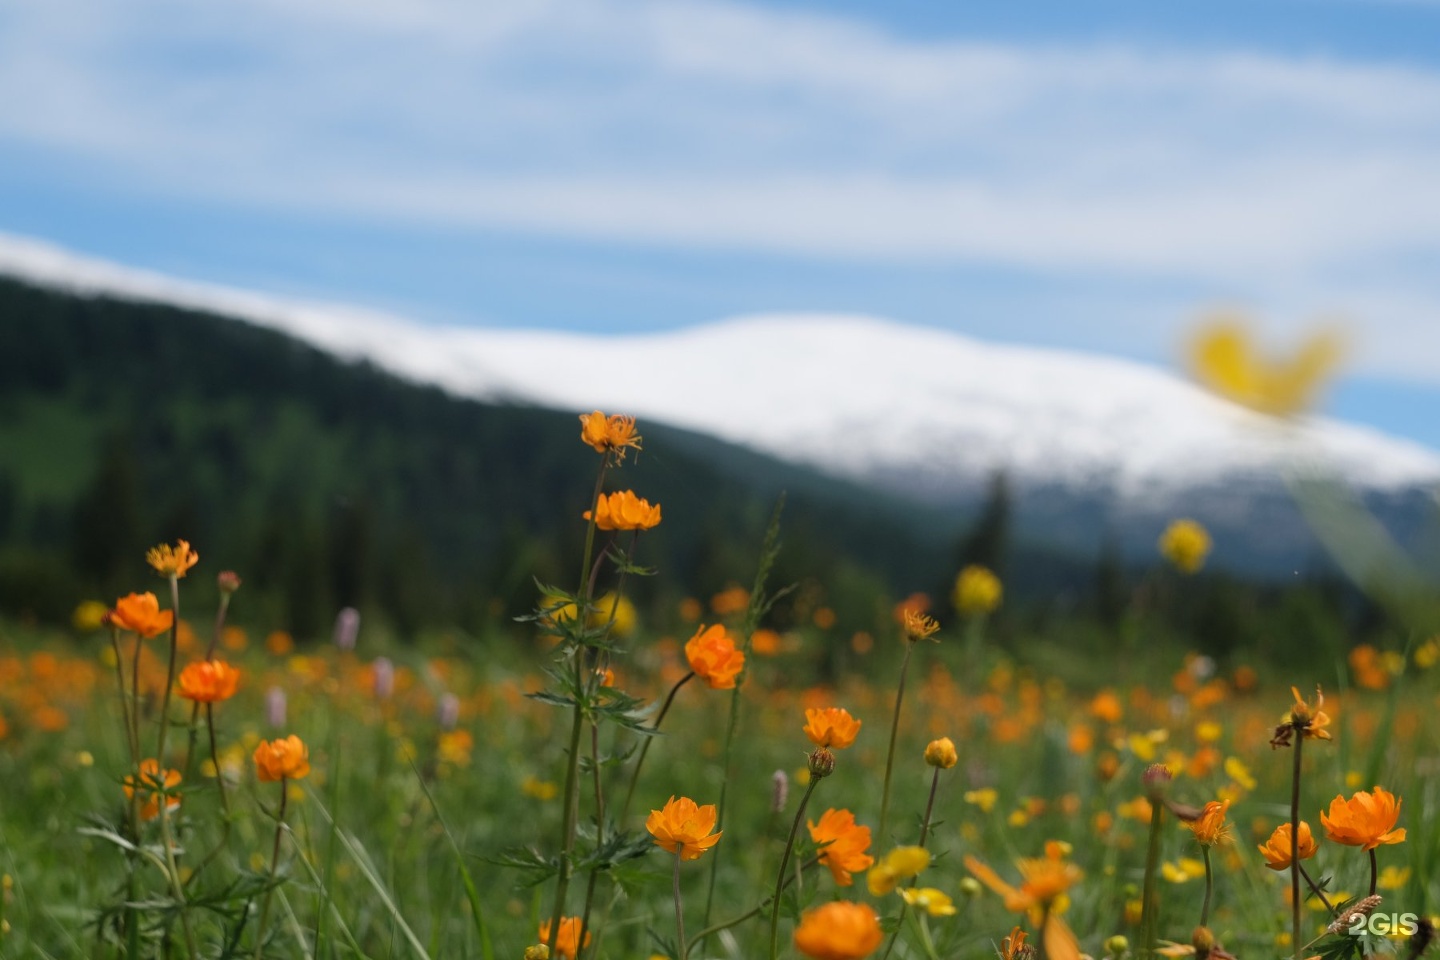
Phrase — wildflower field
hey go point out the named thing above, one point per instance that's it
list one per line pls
(185, 782)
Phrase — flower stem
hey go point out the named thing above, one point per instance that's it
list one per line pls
(125, 706)
(1373, 876)
(170, 672)
(785, 862)
(1318, 892)
(274, 868)
(1205, 907)
(735, 921)
(679, 912)
(645, 747)
(924, 832)
(1150, 899)
(894, 730)
(1295, 845)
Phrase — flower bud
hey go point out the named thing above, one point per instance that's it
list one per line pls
(1118, 945)
(970, 887)
(822, 763)
(780, 787)
(941, 753)
(1156, 780)
(1203, 941)
(447, 712)
(538, 952)
(228, 581)
(347, 628)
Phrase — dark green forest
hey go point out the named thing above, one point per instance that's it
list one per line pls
(328, 484)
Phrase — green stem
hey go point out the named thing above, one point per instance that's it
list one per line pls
(1315, 889)
(125, 706)
(224, 796)
(173, 868)
(924, 833)
(645, 747)
(1373, 876)
(170, 672)
(1205, 907)
(735, 921)
(679, 911)
(1295, 845)
(922, 924)
(274, 868)
(894, 731)
(785, 862)
(1150, 900)
(577, 724)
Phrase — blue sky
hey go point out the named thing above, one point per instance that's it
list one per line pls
(1088, 175)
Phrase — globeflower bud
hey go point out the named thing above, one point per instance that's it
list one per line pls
(538, 952)
(822, 763)
(1156, 780)
(1117, 946)
(941, 753)
(1203, 941)
(228, 581)
(970, 887)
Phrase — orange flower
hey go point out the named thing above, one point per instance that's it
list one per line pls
(839, 930)
(683, 827)
(151, 784)
(1045, 878)
(844, 843)
(1013, 947)
(831, 727)
(713, 657)
(286, 759)
(567, 941)
(1365, 820)
(1309, 721)
(172, 561)
(1210, 827)
(609, 433)
(209, 681)
(917, 626)
(624, 511)
(140, 613)
(1276, 850)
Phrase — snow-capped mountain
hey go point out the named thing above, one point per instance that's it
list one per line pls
(923, 411)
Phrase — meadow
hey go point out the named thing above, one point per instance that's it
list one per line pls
(187, 782)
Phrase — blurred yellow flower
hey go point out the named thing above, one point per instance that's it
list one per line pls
(1224, 358)
(1183, 871)
(902, 863)
(932, 901)
(1236, 770)
(171, 561)
(977, 591)
(984, 798)
(89, 616)
(1186, 544)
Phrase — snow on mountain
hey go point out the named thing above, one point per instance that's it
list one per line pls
(921, 409)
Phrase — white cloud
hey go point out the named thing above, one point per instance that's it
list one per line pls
(718, 125)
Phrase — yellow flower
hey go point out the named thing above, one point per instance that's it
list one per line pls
(1185, 870)
(1185, 543)
(1366, 820)
(831, 727)
(917, 626)
(984, 798)
(838, 930)
(609, 434)
(89, 615)
(683, 827)
(624, 511)
(1210, 828)
(902, 863)
(533, 786)
(172, 561)
(1393, 878)
(941, 753)
(1224, 358)
(1236, 770)
(932, 901)
(977, 591)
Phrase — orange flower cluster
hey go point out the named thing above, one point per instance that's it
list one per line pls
(607, 434)
(839, 930)
(277, 760)
(209, 681)
(1365, 820)
(173, 561)
(831, 727)
(843, 843)
(917, 626)
(1276, 850)
(624, 511)
(567, 941)
(150, 785)
(140, 613)
(713, 657)
(683, 827)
